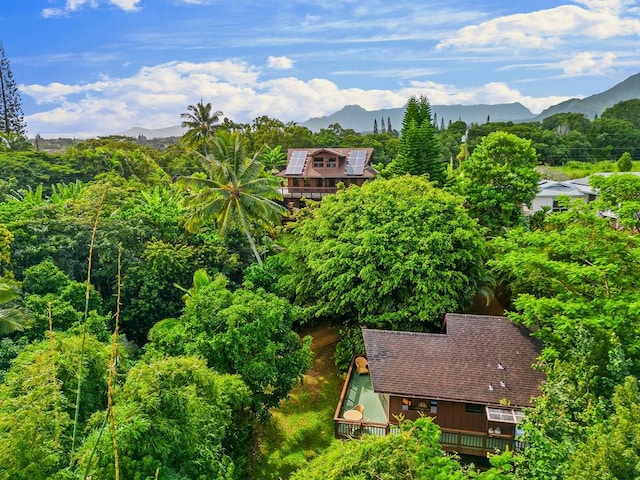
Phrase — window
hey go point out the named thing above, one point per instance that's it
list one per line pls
(332, 162)
(473, 408)
(558, 208)
(318, 162)
(295, 182)
(504, 415)
(421, 404)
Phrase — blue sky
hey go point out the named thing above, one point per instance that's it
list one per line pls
(98, 67)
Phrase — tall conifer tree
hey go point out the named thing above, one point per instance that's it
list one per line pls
(11, 116)
(418, 152)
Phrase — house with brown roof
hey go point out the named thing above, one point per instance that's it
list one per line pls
(315, 172)
(473, 379)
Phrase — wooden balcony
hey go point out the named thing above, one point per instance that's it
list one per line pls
(308, 192)
(475, 443)
(376, 422)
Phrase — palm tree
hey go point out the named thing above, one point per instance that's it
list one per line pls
(234, 193)
(273, 158)
(13, 318)
(200, 122)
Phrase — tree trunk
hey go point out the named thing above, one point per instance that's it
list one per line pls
(253, 245)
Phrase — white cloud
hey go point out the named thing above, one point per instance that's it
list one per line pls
(155, 96)
(490, 93)
(545, 29)
(74, 5)
(279, 63)
(126, 5)
(588, 63)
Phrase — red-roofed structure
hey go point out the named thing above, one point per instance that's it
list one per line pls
(315, 172)
(473, 379)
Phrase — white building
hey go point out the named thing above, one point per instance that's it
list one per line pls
(579, 188)
(550, 190)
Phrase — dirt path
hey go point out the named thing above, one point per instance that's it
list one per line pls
(323, 336)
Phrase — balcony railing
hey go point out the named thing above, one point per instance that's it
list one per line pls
(468, 443)
(474, 443)
(460, 441)
(311, 192)
(349, 429)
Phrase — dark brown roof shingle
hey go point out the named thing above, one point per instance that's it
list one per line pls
(481, 359)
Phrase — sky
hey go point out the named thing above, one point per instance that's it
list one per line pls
(87, 68)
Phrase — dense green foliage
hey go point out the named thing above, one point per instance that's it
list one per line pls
(396, 253)
(626, 110)
(418, 150)
(242, 332)
(575, 282)
(620, 195)
(414, 453)
(613, 447)
(211, 312)
(37, 404)
(625, 163)
(498, 179)
(235, 193)
(175, 417)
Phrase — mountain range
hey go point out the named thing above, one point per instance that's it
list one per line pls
(357, 118)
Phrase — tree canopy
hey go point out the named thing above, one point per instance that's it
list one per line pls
(244, 332)
(11, 116)
(235, 193)
(200, 121)
(574, 282)
(414, 453)
(395, 253)
(418, 150)
(498, 179)
(176, 419)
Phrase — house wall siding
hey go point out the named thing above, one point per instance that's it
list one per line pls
(449, 415)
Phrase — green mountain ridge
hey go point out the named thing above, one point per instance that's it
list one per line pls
(357, 118)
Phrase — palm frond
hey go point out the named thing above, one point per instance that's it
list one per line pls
(13, 319)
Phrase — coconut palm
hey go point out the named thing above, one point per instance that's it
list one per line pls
(200, 122)
(13, 318)
(234, 193)
(273, 158)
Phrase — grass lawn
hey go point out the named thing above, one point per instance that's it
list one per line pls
(302, 426)
(574, 169)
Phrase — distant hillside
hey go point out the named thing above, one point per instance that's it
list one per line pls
(135, 132)
(596, 104)
(361, 120)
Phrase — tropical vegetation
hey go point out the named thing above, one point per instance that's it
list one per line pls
(163, 294)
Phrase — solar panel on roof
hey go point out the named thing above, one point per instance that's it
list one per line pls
(297, 162)
(356, 162)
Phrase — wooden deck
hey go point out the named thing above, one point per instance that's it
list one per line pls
(459, 441)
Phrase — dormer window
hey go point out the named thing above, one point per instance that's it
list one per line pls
(332, 162)
(318, 162)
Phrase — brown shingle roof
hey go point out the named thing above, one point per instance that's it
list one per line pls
(459, 365)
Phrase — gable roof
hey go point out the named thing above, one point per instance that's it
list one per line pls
(462, 365)
(307, 169)
(551, 188)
